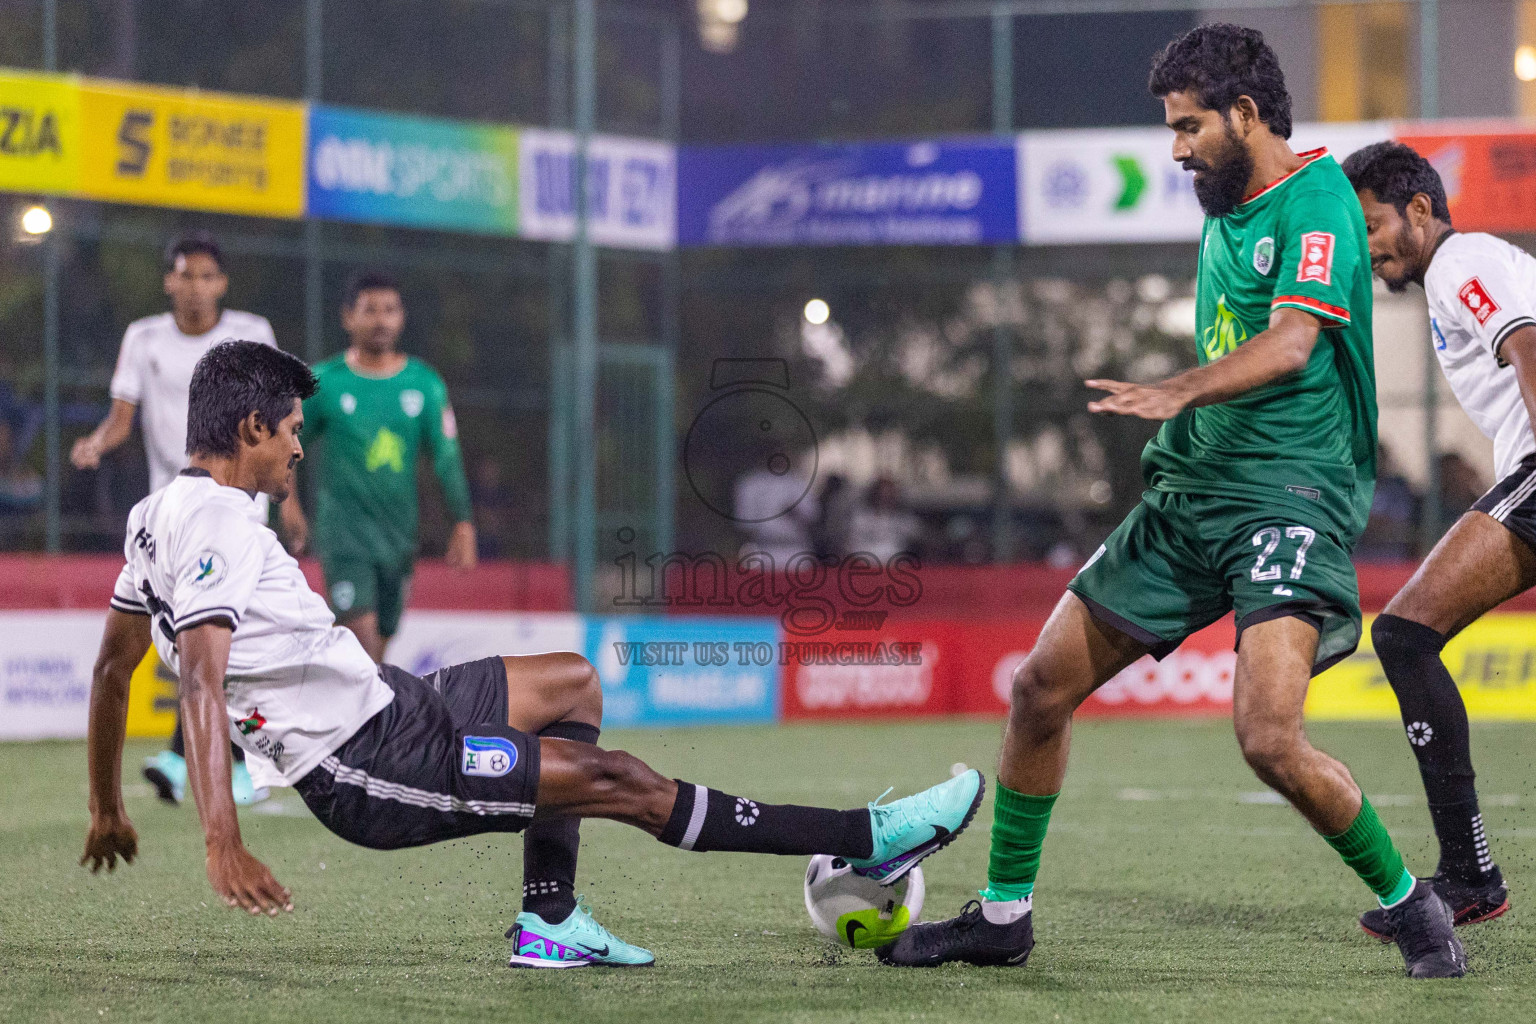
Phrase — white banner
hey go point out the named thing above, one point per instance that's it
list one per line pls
(1122, 185)
(631, 185)
(46, 659)
(428, 641)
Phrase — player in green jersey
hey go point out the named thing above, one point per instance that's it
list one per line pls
(374, 410)
(1258, 485)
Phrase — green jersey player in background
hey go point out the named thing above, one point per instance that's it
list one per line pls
(1259, 482)
(374, 410)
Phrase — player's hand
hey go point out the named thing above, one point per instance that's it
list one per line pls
(111, 836)
(243, 881)
(86, 453)
(461, 547)
(1146, 401)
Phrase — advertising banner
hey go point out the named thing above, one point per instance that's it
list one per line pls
(46, 660)
(1122, 184)
(1493, 662)
(39, 132)
(901, 670)
(631, 189)
(192, 150)
(945, 192)
(1489, 176)
(685, 671)
(413, 171)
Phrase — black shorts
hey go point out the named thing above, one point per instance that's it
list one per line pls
(1513, 501)
(440, 762)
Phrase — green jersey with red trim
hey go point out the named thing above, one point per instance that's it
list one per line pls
(1307, 440)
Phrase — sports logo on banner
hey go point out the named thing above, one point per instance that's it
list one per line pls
(631, 189)
(39, 132)
(947, 192)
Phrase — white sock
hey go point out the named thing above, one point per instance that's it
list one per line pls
(1006, 911)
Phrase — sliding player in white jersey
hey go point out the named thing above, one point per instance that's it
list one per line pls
(1482, 318)
(383, 758)
(154, 368)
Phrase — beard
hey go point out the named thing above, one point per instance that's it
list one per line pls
(1223, 183)
(1407, 253)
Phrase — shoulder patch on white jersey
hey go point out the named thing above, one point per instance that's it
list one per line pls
(1476, 298)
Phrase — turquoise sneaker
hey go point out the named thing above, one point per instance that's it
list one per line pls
(578, 941)
(244, 789)
(167, 772)
(915, 826)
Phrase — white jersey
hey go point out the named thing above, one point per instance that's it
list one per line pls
(298, 686)
(1481, 289)
(154, 372)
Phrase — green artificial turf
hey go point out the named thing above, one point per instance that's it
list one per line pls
(1173, 888)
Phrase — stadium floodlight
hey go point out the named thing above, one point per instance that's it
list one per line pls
(732, 12)
(36, 220)
(1525, 63)
(817, 312)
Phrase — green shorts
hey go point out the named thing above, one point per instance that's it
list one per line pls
(1179, 562)
(357, 585)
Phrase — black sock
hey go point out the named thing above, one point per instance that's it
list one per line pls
(1436, 720)
(550, 846)
(739, 825)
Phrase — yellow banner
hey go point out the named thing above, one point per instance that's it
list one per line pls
(1493, 662)
(194, 150)
(39, 132)
(152, 700)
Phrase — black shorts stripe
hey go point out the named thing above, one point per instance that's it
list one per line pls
(1512, 501)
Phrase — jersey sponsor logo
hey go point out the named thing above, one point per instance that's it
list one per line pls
(251, 722)
(1223, 336)
(1476, 298)
(488, 756)
(1316, 257)
(1264, 255)
(1434, 326)
(412, 402)
(348, 403)
(387, 449)
(210, 569)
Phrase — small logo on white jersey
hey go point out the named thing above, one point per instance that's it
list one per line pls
(412, 401)
(1316, 258)
(1420, 733)
(488, 756)
(348, 403)
(746, 812)
(1476, 298)
(343, 593)
(210, 570)
(1264, 255)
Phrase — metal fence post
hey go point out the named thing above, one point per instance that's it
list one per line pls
(52, 456)
(1002, 271)
(584, 318)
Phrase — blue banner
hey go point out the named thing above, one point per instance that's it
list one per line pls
(675, 671)
(948, 192)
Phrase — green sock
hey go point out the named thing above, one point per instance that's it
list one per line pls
(1018, 833)
(1366, 847)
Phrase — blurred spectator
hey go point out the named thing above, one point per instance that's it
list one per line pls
(495, 506)
(881, 524)
(777, 512)
(1460, 487)
(1391, 532)
(21, 488)
(830, 532)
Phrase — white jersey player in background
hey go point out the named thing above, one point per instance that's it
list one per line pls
(154, 371)
(1482, 315)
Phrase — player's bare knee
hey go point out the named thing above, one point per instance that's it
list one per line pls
(1275, 753)
(1036, 702)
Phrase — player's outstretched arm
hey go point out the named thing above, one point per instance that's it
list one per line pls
(1284, 348)
(239, 878)
(123, 645)
(109, 433)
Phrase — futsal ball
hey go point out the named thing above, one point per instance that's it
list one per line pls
(856, 911)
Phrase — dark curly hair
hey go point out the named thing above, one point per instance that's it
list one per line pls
(1396, 173)
(234, 379)
(1219, 63)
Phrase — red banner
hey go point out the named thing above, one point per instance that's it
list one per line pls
(1489, 176)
